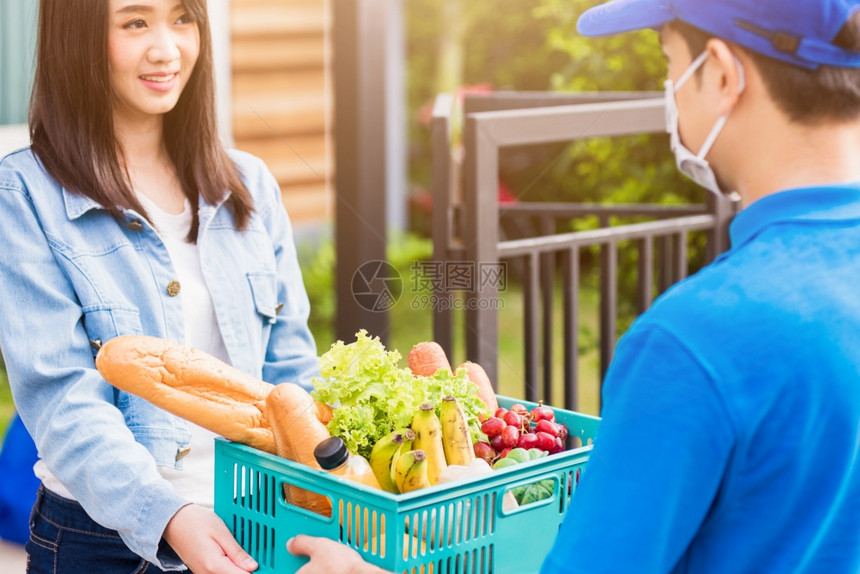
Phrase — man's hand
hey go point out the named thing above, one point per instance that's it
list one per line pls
(203, 542)
(329, 557)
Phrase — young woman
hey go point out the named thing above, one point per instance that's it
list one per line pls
(126, 216)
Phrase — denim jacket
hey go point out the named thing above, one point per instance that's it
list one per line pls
(71, 275)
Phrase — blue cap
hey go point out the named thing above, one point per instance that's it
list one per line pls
(799, 32)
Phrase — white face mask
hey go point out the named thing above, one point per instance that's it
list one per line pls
(694, 166)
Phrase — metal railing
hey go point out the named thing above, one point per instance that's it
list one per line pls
(467, 218)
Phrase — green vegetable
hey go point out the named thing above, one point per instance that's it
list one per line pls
(519, 455)
(372, 395)
(535, 453)
(533, 492)
(504, 463)
(530, 492)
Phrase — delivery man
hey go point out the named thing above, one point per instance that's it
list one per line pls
(730, 439)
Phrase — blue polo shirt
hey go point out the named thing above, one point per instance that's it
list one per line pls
(730, 439)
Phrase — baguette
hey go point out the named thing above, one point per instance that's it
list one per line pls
(297, 431)
(191, 384)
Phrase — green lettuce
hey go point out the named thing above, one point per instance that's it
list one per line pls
(371, 395)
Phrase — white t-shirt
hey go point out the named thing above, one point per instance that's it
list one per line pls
(195, 481)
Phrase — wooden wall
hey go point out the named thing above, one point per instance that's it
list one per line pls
(282, 100)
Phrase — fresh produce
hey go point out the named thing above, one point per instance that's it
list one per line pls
(493, 426)
(510, 436)
(425, 359)
(541, 412)
(428, 437)
(484, 451)
(548, 427)
(530, 492)
(371, 395)
(519, 428)
(408, 441)
(411, 471)
(395, 458)
(455, 433)
(478, 375)
(520, 409)
(527, 441)
(382, 456)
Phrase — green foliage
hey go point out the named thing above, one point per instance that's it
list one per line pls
(503, 46)
(318, 261)
(625, 62)
(522, 45)
(635, 169)
(374, 395)
(317, 264)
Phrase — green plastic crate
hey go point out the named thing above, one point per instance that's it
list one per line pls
(453, 528)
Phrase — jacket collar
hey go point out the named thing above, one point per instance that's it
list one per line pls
(77, 205)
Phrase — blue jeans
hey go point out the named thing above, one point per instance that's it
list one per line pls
(65, 540)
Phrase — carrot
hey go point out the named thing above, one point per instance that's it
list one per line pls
(478, 376)
(427, 358)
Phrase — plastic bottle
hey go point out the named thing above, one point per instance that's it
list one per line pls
(333, 456)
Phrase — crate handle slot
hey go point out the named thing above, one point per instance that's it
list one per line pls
(500, 500)
(282, 495)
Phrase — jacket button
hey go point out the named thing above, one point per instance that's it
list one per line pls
(135, 225)
(182, 452)
(173, 288)
(96, 344)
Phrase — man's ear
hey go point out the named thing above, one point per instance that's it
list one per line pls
(730, 78)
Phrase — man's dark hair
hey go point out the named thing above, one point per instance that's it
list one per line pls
(805, 96)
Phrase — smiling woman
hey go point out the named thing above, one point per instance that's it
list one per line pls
(152, 51)
(127, 216)
(77, 141)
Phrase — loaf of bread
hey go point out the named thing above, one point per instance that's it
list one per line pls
(297, 431)
(191, 384)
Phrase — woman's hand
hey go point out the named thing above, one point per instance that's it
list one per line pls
(328, 557)
(203, 542)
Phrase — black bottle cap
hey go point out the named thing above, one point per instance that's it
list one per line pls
(331, 453)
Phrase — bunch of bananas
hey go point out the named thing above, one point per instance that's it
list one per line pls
(407, 459)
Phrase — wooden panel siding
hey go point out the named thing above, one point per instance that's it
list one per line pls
(281, 98)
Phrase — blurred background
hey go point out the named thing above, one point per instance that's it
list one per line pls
(278, 88)
(337, 97)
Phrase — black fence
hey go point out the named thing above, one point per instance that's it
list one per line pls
(467, 224)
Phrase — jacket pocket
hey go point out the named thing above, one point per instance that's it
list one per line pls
(263, 291)
(104, 322)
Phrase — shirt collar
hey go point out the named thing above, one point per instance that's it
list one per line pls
(827, 203)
